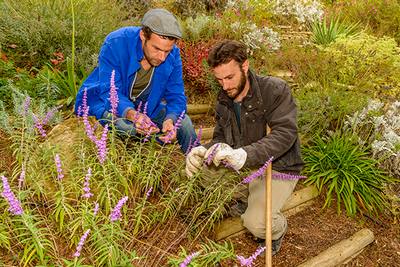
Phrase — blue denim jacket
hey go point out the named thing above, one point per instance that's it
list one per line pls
(122, 51)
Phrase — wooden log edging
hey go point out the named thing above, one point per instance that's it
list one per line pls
(342, 251)
(297, 202)
(194, 109)
(207, 133)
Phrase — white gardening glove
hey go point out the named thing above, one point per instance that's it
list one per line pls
(194, 160)
(236, 158)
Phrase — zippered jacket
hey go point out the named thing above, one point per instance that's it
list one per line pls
(268, 102)
(122, 51)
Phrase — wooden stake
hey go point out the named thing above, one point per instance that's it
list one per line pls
(268, 213)
(268, 216)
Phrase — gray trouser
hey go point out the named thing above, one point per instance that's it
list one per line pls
(254, 216)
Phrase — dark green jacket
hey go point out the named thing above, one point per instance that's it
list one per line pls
(269, 102)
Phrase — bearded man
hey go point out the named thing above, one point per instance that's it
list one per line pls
(148, 76)
(247, 104)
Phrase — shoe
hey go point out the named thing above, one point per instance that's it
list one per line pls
(276, 244)
(237, 209)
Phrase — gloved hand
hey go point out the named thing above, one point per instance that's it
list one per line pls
(194, 160)
(236, 158)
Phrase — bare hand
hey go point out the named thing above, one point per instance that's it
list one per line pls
(169, 130)
(143, 123)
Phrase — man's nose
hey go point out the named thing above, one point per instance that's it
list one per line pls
(162, 55)
(225, 84)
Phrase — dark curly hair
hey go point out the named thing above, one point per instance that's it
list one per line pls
(225, 51)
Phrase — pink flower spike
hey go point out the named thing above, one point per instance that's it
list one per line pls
(149, 192)
(113, 95)
(188, 259)
(248, 262)
(257, 173)
(60, 174)
(210, 157)
(116, 213)
(287, 176)
(15, 206)
(86, 187)
(96, 209)
(81, 243)
(39, 125)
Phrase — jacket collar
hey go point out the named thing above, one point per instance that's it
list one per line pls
(135, 54)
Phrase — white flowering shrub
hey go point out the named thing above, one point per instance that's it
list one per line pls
(257, 38)
(380, 126)
(305, 11)
(196, 28)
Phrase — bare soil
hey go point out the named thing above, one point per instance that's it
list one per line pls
(315, 229)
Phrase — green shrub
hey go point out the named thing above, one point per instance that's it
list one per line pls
(325, 108)
(41, 86)
(37, 29)
(381, 18)
(368, 62)
(342, 168)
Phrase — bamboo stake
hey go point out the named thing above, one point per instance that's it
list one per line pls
(268, 216)
(268, 213)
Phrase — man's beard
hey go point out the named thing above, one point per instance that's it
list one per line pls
(242, 83)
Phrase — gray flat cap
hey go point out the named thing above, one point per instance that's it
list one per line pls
(162, 22)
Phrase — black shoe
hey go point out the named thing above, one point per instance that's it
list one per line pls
(276, 244)
(237, 209)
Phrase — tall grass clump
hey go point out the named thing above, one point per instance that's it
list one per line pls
(342, 168)
(33, 30)
(325, 32)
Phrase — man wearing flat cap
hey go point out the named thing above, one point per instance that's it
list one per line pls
(148, 78)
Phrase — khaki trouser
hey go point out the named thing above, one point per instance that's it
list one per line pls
(254, 217)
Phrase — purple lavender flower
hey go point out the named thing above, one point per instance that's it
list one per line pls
(21, 177)
(39, 125)
(102, 145)
(211, 156)
(116, 213)
(188, 259)
(248, 262)
(145, 108)
(79, 113)
(195, 142)
(49, 115)
(60, 174)
(287, 176)
(149, 192)
(113, 95)
(257, 173)
(85, 115)
(178, 123)
(139, 107)
(96, 209)
(15, 206)
(86, 187)
(229, 166)
(80, 244)
(26, 105)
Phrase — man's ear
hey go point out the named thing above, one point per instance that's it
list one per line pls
(141, 35)
(245, 66)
